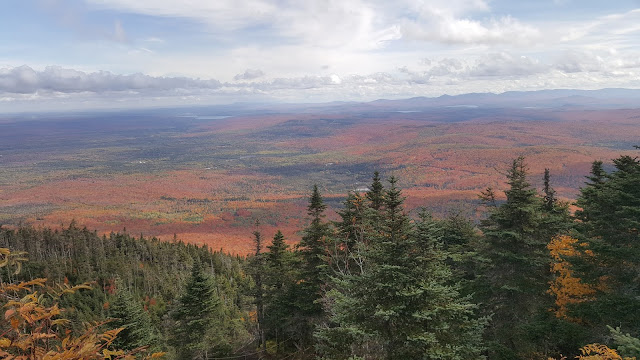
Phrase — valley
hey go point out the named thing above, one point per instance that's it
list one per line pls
(206, 174)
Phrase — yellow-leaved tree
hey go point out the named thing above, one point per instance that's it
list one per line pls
(566, 287)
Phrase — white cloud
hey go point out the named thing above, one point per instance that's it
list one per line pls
(323, 50)
(352, 24)
(447, 29)
(249, 74)
(506, 65)
(24, 80)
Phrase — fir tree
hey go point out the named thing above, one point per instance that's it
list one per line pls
(376, 192)
(403, 305)
(554, 215)
(609, 222)
(313, 274)
(257, 268)
(129, 314)
(279, 296)
(355, 222)
(519, 271)
(195, 316)
(464, 244)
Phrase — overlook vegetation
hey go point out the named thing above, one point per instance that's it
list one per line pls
(530, 280)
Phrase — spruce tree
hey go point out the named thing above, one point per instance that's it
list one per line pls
(356, 221)
(376, 192)
(554, 215)
(195, 317)
(277, 260)
(129, 314)
(404, 304)
(609, 222)
(467, 257)
(279, 297)
(313, 274)
(519, 270)
(256, 269)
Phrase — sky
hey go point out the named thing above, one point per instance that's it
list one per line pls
(85, 54)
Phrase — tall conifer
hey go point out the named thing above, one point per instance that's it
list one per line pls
(313, 275)
(403, 305)
(195, 316)
(519, 273)
(609, 221)
(129, 314)
(376, 192)
(279, 298)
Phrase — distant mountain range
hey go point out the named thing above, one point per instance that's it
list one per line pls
(604, 98)
(542, 99)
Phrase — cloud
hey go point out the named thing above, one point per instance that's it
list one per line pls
(249, 74)
(506, 65)
(354, 24)
(450, 30)
(25, 80)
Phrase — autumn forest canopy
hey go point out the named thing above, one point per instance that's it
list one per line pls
(529, 280)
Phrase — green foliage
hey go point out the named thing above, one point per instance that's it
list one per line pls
(518, 275)
(280, 276)
(197, 316)
(376, 192)
(376, 284)
(152, 272)
(627, 345)
(129, 314)
(312, 250)
(403, 304)
(256, 270)
(609, 220)
(554, 215)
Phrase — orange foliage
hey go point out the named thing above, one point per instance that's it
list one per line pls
(33, 329)
(440, 160)
(600, 352)
(566, 288)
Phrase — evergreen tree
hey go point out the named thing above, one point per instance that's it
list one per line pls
(403, 305)
(355, 223)
(257, 268)
(519, 271)
(554, 215)
(376, 192)
(277, 260)
(609, 222)
(280, 280)
(195, 317)
(129, 314)
(464, 244)
(627, 345)
(313, 275)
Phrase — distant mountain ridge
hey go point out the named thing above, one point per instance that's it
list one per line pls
(599, 99)
(569, 99)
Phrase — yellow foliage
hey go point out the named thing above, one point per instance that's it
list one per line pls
(565, 287)
(600, 352)
(31, 329)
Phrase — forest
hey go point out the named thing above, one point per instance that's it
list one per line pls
(535, 278)
(207, 178)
